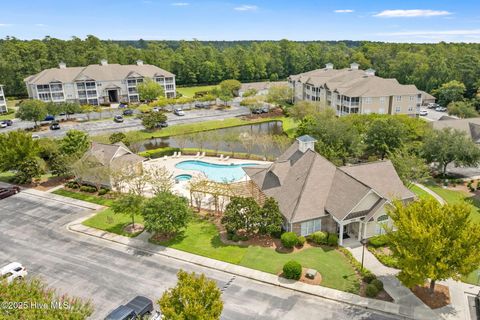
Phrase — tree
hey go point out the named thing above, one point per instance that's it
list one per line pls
(151, 120)
(450, 92)
(385, 135)
(280, 95)
(166, 213)
(53, 109)
(433, 242)
(462, 109)
(75, 142)
(270, 221)
(28, 169)
(241, 214)
(32, 110)
(87, 109)
(150, 90)
(410, 168)
(230, 86)
(34, 290)
(128, 204)
(193, 298)
(118, 137)
(446, 146)
(160, 179)
(70, 108)
(15, 147)
(303, 108)
(224, 94)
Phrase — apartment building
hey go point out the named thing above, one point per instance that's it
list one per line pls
(3, 101)
(96, 84)
(352, 90)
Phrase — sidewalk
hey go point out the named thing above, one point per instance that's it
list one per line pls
(402, 311)
(429, 191)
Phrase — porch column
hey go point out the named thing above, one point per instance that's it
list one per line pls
(340, 236)
(360, 230)
(365, 229)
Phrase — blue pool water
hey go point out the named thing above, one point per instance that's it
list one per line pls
(183, 177)
(216, 172)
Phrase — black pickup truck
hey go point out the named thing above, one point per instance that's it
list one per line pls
(137, 308)
(7, 192)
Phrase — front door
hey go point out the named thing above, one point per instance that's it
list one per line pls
(113, 95)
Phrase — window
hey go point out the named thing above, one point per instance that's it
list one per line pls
(310, 227)
(381, 222)
(398, 98)
(367, 100)
(382, 100)
(410, 108)
(412, 98)
(398, 109)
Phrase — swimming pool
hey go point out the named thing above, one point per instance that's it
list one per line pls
(183, 177)
(216, 172)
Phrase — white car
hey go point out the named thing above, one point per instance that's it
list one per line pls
(441, 109)
(13, 271)
(179, 112)
(3, 124)
(156, 109)
(423, 113)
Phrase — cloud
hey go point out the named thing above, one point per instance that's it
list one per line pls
(427, 33)
(343, 11)
(246, 7)
(180, 4)
(411, 13)
(40, 25)
(5, 25)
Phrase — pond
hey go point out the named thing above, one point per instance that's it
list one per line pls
(253, 138)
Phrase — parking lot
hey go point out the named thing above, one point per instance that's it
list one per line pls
(33, 232)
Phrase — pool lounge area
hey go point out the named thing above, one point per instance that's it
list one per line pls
(187, 167)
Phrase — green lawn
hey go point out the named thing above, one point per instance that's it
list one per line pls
(109, 221)
(202, 238)
(7, 176)
(191, 128)
(85, 197)
(422, 194)
(190, 91)
(7, 116)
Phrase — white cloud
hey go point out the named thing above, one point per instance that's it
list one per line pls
(344, 11)
(427, 33)
(246, 7)
(411, 13)
(180, 4)
(5, 25)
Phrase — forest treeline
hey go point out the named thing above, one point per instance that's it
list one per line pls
(195, 62)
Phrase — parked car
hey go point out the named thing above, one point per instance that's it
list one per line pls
(257, 111)
(8, 122)
(432, 105)
(441, 109)
(55, 126)
(122, 105)
(265, 109)
(49, 118)
(3, 124)
(423, 113)
(13, 271)
(35, 136)
(118, 118)
(179, 112)
(162, 125)
(127, 112)
(7, 192)
(156, 109)
(137, 308)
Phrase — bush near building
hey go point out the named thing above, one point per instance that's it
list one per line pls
(289, 239)
(292, 270)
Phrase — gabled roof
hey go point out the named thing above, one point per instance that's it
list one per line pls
(97, 72)
(114, 155)
(470, 126)
(308, 186)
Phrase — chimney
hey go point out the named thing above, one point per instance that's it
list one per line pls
(329, 66)
(62, 65)
(306, 142)
(139, 62)
(354, 66)
(370, 72)
(104, 62)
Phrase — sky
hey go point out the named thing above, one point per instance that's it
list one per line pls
(376, 20)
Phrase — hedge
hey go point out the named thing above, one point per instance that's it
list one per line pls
(289, 239)
(301, 241)
(377, 283)
(378, 241)
(371, 291)
(319, 237)
(292, 270)
(332, 239)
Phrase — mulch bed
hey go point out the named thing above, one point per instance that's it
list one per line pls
(134, 229)
(161, 237)
(315, 281)
(382, 295)
(440, 297)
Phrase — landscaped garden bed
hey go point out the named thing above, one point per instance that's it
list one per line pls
(120, 224)
(439, 298)
(103, 200)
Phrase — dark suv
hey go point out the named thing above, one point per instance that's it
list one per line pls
(137, 308)
(7, 192)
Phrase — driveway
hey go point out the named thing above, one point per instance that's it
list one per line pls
(33, 232)
(433, 115)
(131, 123)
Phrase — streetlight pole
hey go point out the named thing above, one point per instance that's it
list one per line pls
(363, 242)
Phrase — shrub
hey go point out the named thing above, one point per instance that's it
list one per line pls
(301, 241)
(103, 191)
(235, 238)
(230, 235)
(289, 239)
(369, 277)
(158, 153)
(319, 237)
(88, 189)
(371, 291)
(332, 239)
(292, 270)
(72, 185)
(378, 241)
(378, 284)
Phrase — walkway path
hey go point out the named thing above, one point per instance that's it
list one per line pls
(431, 192)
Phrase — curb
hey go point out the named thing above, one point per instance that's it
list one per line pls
(389, 308)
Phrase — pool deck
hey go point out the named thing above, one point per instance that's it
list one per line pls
(181, 187)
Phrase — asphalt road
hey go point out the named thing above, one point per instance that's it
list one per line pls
(33, 232)
(130, 123)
